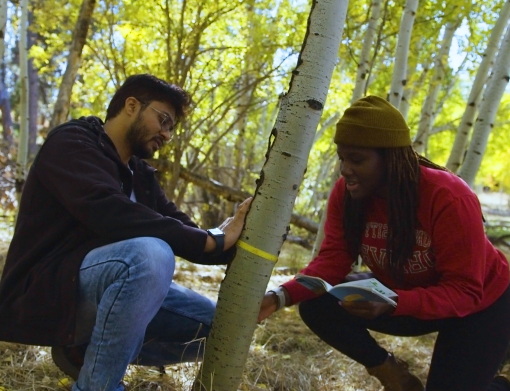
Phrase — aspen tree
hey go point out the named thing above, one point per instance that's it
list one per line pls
(428, 112)
(61, 109)
(3, 25)
(21, 160)
(398, 80)
(267, 222)
(364, 60)
(359, 89)
(4, 96)
(488, 108)
(473, 102)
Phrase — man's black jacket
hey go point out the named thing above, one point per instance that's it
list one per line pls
(76, 198)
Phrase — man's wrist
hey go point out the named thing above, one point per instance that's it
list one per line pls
(219, 237)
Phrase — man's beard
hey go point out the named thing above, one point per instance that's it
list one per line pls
(137, 139)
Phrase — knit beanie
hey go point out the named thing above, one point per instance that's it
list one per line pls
(372, 122)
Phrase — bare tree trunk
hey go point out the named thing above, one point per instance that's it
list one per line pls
(488, 108)
(428, 112)
(80, 32)
(466, 123)
(398, 80)
(21, 161)
(5, 106)
(33, 95)
(409, 91)
(4, 95)
(267, 222)
(3, 25)
(364, 60)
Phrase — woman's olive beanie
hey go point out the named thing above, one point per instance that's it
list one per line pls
(372, 122)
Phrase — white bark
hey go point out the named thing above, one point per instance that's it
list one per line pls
(359, 89)
(21, 161)
(410, 91)
(398, 80)
(332, 120)
(267, 222)
(81, 29)
(3, 24)
(473, 102)
(364, 60)
(488, 108)
(5, 106)
(428, 112)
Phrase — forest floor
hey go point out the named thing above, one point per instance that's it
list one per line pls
(284, 354)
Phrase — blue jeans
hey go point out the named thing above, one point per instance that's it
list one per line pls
(130, 311)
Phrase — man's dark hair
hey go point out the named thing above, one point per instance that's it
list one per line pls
(148, 88)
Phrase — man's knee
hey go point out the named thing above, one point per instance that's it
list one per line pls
(153, 257)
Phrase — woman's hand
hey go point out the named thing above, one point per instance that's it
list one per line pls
(268, 306)
(367, 309)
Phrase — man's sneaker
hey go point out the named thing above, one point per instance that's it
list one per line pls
(69, 359)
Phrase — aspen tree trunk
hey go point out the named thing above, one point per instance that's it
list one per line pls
(246, 87)
(21, 161)
(359, 89)
(332, 120)
(473, 102)
(80, 32)
(33, 94)
(409, 91)
(4, 96)
(398, 80)
(488, 108)
(3, 24)
(364, 60)
(267, 222)
(377, 45)
(428, 112)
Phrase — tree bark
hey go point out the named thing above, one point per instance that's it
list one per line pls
(5, 106)
(21, 160)
(428, 112)
(473, 102)
(364, 60)
(267, 221)
(488, 108)
(409, 91)
(3, 24)
(80, 32)
(33, 95)
(230, 194)
(398, 80)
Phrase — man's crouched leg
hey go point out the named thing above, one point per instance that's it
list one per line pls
(122, 288)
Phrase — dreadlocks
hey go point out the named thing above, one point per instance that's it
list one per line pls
(402, 176)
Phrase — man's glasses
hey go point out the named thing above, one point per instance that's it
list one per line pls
(167, 124)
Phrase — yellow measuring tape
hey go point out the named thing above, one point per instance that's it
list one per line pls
(256, 251)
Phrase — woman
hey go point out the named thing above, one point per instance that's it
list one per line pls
(419, 229)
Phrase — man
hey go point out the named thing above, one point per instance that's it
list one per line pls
(89, 270)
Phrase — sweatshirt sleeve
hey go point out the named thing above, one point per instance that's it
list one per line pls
(333, 262)
(459, 246)
(86, 182)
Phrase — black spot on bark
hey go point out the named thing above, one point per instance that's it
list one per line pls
(286, 154)
(314, 104)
